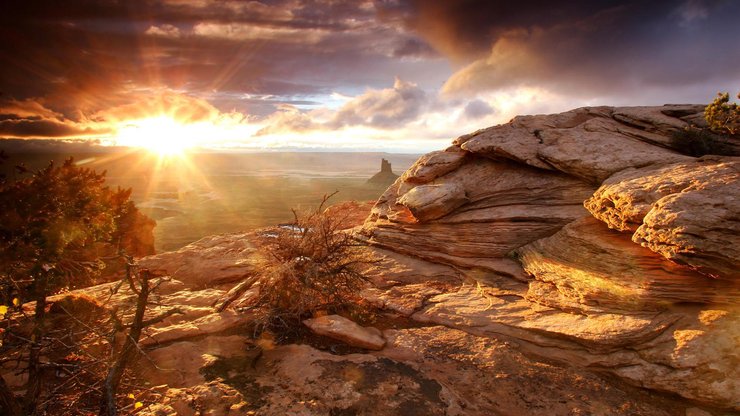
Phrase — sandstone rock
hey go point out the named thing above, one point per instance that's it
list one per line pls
(180, 364)
(305, 381)
(207, 262)
(385, 177)
(602, 334)
(664, 119)
(429, 202)
(389, 268)
(213, 399)
(211, 324)
(698, 228)
(593, 265)
(492, 376)
(591, 142)
(404, 299)
(520, 139)
(685, 212)
(595, 150)
(695, 411)
(433, 165)
(520, 205)
(342, 329)
(624, 199)
(690, 352)
(697, 359)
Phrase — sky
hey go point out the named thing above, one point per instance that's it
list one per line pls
(391, 75)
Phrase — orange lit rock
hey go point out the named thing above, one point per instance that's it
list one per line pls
(686, 212)
(342, 329)
(207, 262)
(597, 266)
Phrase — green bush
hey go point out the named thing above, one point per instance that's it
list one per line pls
(722, 116)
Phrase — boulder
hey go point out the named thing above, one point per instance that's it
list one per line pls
(700, 228)
(429, 202)
(435, 164)
(685, 211)
(591, 142)
(342, 329)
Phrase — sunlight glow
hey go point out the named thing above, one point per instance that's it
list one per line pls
(162, 135)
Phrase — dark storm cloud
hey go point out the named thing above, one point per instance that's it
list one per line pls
(85, 55)
(35, 127)
(580, 47)
(30, 118)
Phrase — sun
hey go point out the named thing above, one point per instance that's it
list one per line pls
(162, 135)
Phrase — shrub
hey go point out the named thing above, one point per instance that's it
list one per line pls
(722, 116)
(308, 266)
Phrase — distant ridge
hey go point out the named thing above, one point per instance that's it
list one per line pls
(385, 177)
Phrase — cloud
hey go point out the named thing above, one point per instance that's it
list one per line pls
(692, 10)
(88, 56)
(165, 30)
(386, 108)
(511, 61)
(248, 31)
(414, 48)
(27, 108)
(181, 107)
(582, 49)
(287, 119)
(477, 109)
(44, 128)
(30, 118)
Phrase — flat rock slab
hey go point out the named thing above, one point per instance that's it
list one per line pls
(342, 329)
(210, 261)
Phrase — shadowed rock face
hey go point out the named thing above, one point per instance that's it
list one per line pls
(523, 211)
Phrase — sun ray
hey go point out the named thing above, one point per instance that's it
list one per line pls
(162, 135)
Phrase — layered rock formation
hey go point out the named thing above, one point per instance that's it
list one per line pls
(587, 237)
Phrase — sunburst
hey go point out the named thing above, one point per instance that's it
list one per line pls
(162, 135)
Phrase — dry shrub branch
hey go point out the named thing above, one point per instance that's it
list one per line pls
(309, 266)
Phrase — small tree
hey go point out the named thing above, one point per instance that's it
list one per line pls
(722, 116)
(54, 227)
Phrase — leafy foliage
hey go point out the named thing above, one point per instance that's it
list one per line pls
(722, 116)
(307, 267)
(719, 137)
(59, 222)
(55, 227)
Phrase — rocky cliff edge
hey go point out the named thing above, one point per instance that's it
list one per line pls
(588, 237)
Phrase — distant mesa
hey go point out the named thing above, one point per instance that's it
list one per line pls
(385, 177)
